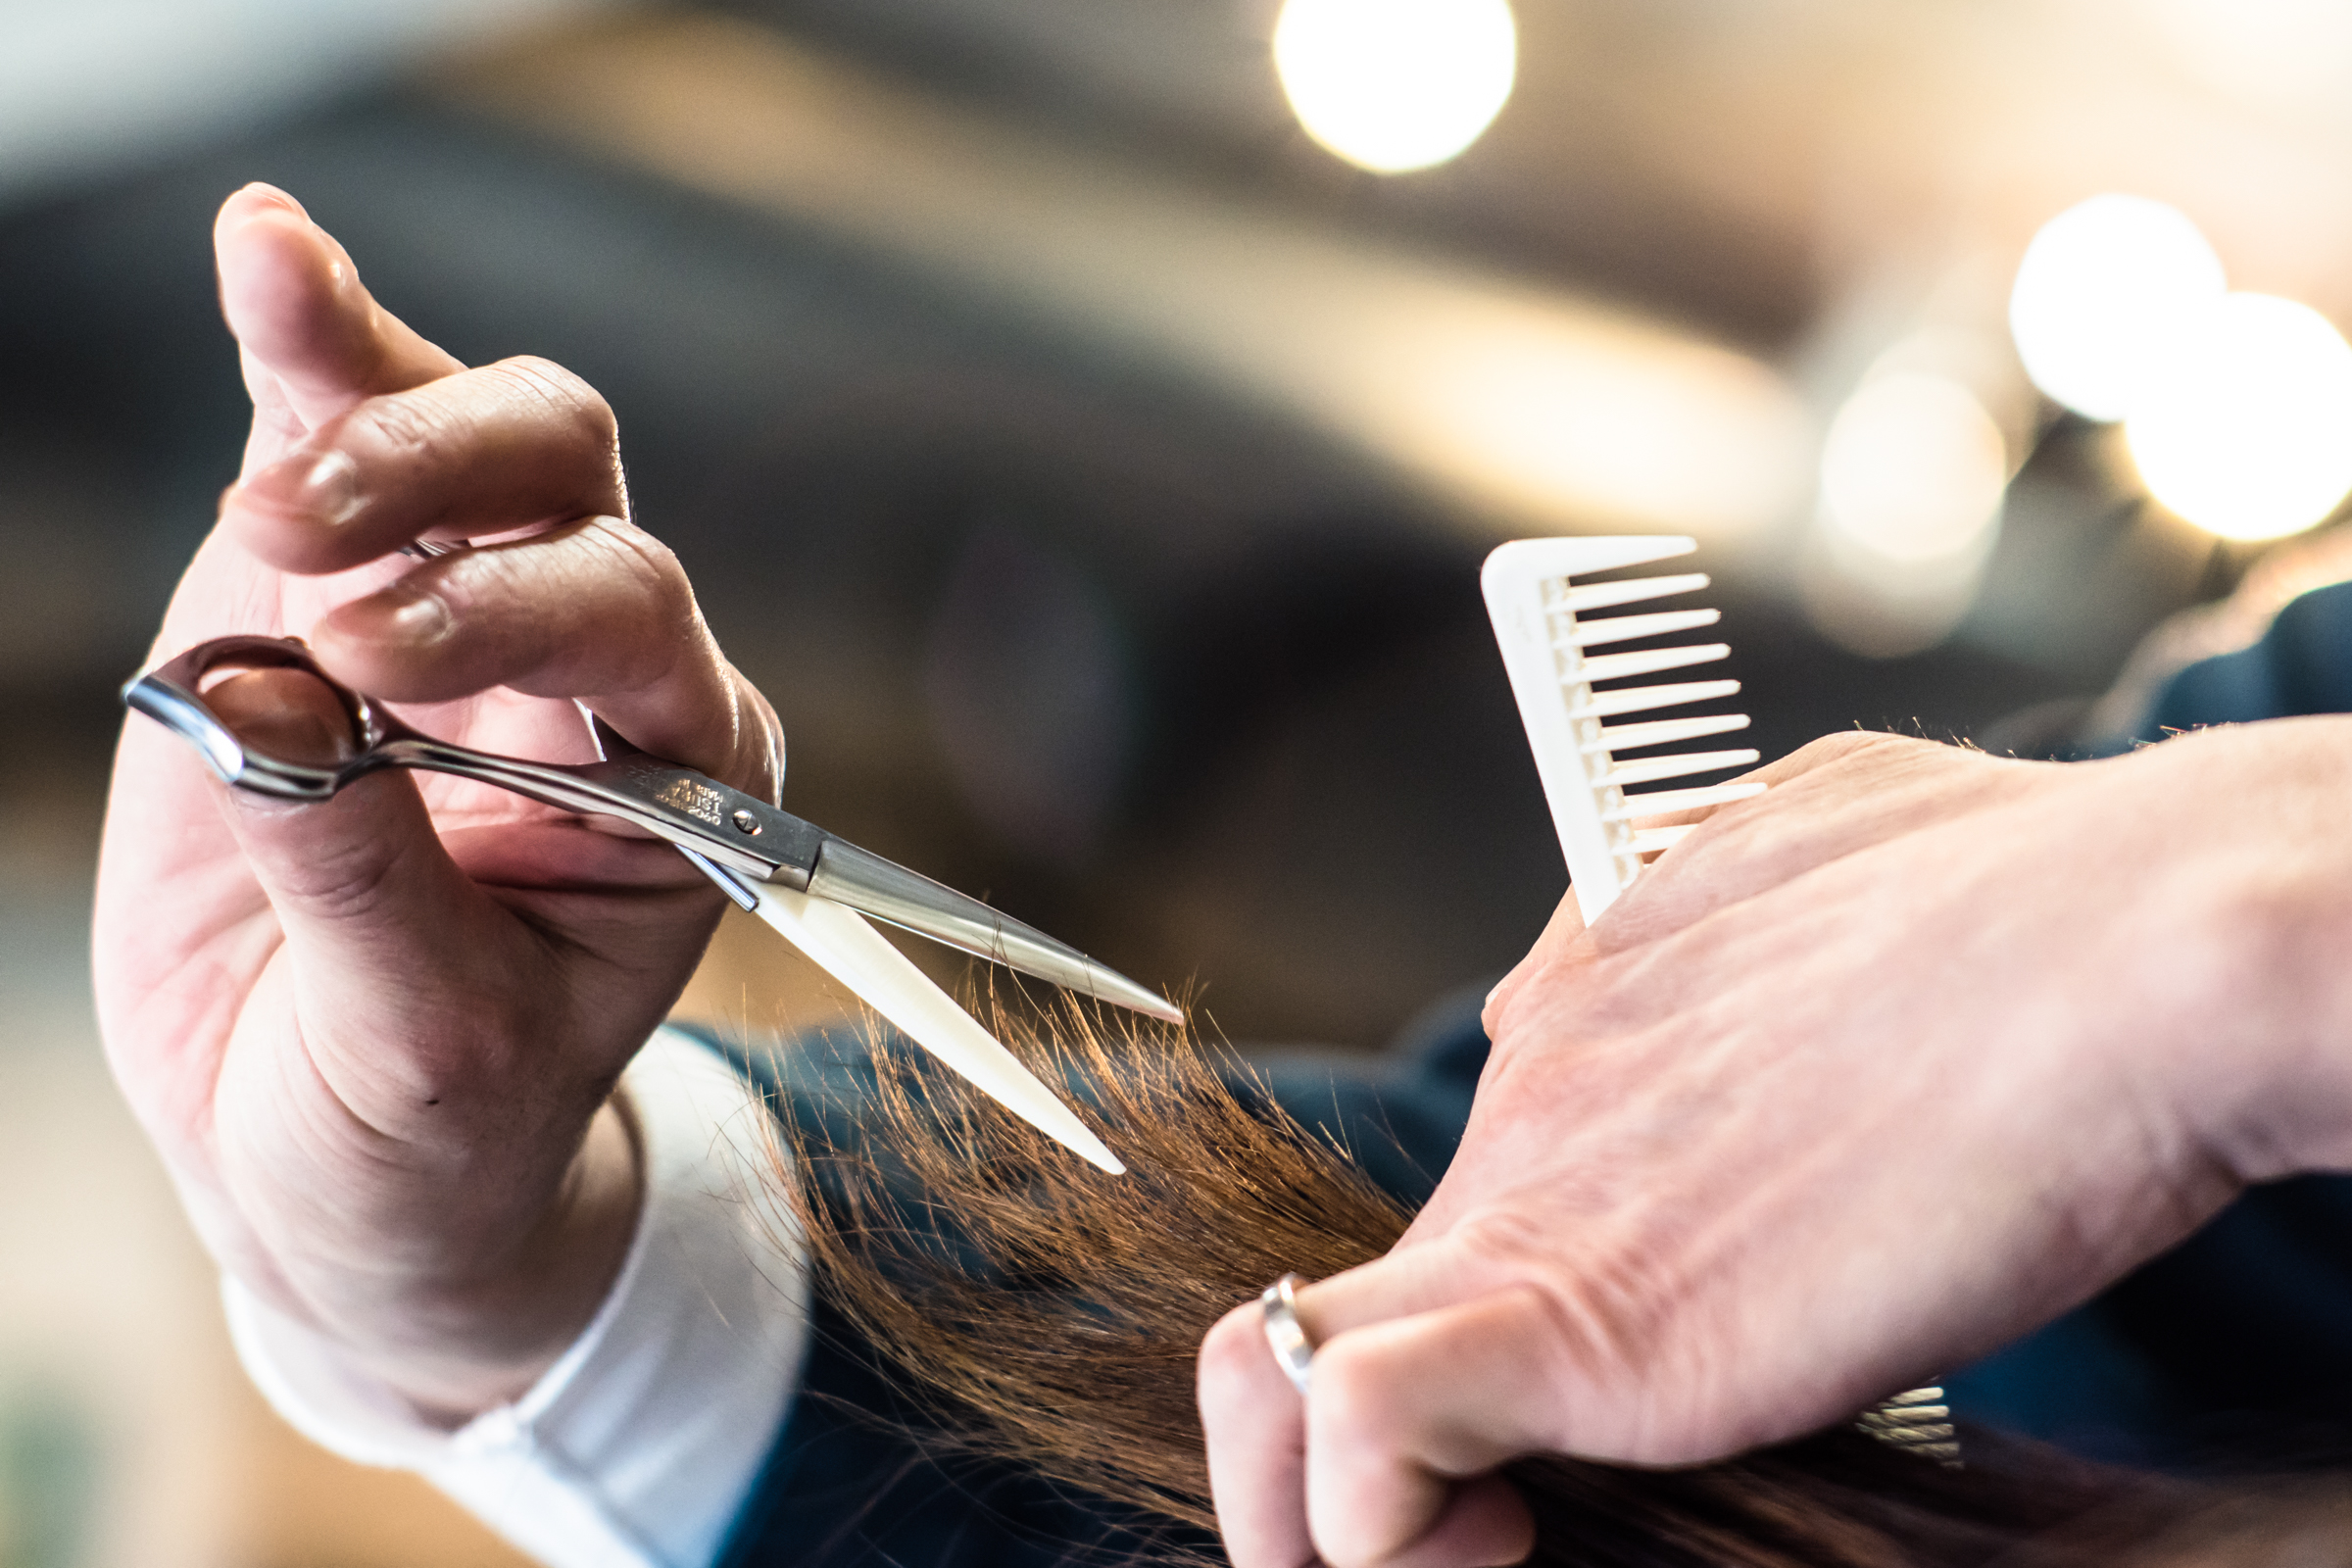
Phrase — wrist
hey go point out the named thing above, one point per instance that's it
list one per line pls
(2297, 1001)
(466, 1348)
(2266, 897)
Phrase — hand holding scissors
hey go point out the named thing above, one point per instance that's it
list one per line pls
(737, 840)
(374, 1038)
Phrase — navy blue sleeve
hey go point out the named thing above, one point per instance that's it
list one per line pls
(2303, 664)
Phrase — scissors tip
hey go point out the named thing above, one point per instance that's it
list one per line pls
(1109, 986)
(1078, 1137)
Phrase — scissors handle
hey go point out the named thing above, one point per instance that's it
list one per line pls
(739, 831)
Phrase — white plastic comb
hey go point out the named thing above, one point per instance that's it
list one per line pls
(1545, 623)
(1543, 619)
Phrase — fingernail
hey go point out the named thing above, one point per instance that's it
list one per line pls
(423, 619)
(269, 193)
(325, 489)
(330, 491)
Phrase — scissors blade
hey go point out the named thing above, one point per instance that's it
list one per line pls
(710, 822)
(886, 890)
(859, 955)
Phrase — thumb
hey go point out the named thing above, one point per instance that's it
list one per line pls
(1565, 928)
(373, 909)
(375, 914)
(313, 339)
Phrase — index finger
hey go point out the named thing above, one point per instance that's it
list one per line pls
(1413, 1400)
(1256, 1424)
(1560, 934)
(597, 611)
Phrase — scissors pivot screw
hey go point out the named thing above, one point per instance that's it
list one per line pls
(744, 822)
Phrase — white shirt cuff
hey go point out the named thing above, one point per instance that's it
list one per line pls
(636, 1448)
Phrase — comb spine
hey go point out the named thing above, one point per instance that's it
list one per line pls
(1529, 600)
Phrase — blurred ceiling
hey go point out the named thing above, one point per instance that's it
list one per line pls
(1527, 407)
(96, 87)
(1637, 302)
(1740, 165)
(1738, 162)
(1545, 332)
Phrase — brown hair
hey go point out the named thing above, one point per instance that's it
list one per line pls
(1047, 1314)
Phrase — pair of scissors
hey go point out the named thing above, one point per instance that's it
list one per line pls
(807, 883)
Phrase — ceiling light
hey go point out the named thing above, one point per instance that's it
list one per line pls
(1393, 85)
(2101, 288)
(2246, 429)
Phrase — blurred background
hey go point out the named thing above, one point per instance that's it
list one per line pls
(1086, 417)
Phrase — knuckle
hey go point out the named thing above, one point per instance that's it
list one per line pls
(759, 739)
(444, 1066)
(1614, 1316)
(654, 572)
(1502, 1237)
(563, 394)
(659, 563)
(1861, 760)
(1353, 1376)
(1536, 1052)
(1848, 745)
(413, 428)
(1227, 1367)
(1342, 1543)
(1620, 1312)
(349, 888)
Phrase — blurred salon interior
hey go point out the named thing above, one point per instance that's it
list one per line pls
(1085, 419)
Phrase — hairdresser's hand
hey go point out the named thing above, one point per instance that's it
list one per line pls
(375, 1038)
(1868, 1076)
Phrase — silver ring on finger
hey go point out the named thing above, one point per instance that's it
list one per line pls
(1293, 1350)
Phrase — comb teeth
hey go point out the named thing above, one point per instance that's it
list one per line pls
(1652, 769)
(1666, 731)
(1644, 699)
(1660, 803)
(1537, 608)
(1650, 660)
(1633, 591)
(1625, 628)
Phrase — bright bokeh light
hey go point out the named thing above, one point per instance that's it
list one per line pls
(1393, 85)
(1912, 469)
(2100, 291)
(2246, 431)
